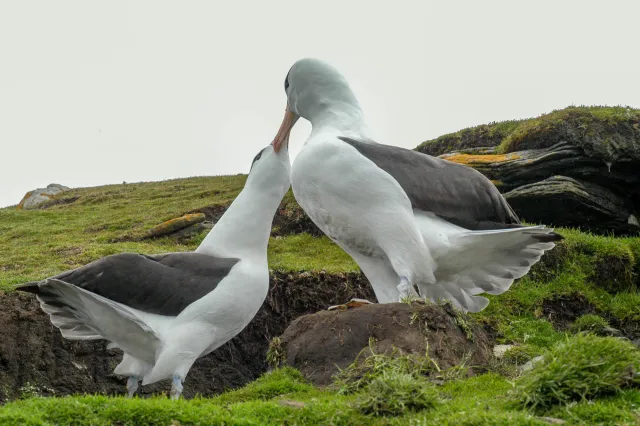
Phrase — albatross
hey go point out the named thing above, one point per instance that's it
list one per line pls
(167, 310)
(409, 220)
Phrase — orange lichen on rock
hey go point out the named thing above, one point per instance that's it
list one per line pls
(24, 199)
(176, 224)
(470, 159)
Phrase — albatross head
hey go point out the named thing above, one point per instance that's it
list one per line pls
(270, 171)
(316, 91)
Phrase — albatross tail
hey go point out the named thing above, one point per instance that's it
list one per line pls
(83, 315)
(476, 262)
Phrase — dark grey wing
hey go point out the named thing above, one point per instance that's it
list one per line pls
(163, 284)
(456, 193)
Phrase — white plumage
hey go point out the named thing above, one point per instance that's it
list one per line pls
(407, 219)
(165, 311)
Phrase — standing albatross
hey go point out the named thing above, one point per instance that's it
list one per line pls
(167, 310)
(406, 218)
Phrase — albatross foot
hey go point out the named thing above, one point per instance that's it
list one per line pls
(353, 303)
(132, 385)
(176, 388)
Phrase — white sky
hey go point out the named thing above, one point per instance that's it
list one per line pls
(97, 92)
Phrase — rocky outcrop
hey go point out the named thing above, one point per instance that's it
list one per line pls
(37, 197)
(578, 167)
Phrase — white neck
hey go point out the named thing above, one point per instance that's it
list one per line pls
(244, 229)
(340, 118)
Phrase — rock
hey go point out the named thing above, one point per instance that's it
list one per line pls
(33, 199)
(320, 343)
(173, 225)
(530, 364)
(576, 167)
(500, 350)
(564, 201)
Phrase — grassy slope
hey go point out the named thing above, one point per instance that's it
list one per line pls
(34, 244)
(601, 124)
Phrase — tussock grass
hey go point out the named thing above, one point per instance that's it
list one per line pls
(580, 368)
(394, 393)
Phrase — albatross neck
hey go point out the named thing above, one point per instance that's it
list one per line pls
(338, 117)
(244, 229)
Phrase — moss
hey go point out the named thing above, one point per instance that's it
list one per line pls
(592, 323)
(607, 132)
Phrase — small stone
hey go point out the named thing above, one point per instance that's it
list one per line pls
(289, 403)
(552, 420)
(529, 365)
(500, 350)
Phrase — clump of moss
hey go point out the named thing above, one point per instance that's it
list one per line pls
(395, 394)
(584, 366)
(591, 323)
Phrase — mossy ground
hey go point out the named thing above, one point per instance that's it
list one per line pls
(85, 224)
(600, 124)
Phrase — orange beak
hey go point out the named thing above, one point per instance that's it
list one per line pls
(282, 137)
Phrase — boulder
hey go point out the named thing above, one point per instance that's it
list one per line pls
(576, 167)
(35, 198)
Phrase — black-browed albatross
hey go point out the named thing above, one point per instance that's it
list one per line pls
(405, 217)
(164, 311)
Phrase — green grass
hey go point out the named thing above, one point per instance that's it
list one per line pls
(581, 368)
(596, 128)
(281, 397)
(35, 244)
(602, 270)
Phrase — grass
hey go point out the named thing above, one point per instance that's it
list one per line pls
(394, 394)
(581, 368)
(281, 397)
(600, 129)
(601, 271)
(90, 223)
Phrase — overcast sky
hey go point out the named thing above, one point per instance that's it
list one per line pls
(98, 92)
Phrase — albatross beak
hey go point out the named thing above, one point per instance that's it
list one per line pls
(282, 137)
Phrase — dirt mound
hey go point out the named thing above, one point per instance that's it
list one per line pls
(320, 343)
(33, 354)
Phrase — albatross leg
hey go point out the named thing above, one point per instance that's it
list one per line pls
(353, 303)
(176, 387)
(406, 290)
(132, 385)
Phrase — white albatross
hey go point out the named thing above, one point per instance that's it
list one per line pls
(406, 218)
(167, 310)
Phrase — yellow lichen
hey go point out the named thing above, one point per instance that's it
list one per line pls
(24, 199)
(470, 159)
(176, 224)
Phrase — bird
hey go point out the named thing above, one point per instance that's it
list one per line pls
(418, 226)
(166, 310)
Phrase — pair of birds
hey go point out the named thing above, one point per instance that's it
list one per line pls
(415, 224)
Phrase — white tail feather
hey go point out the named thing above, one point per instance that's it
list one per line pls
(470, 263)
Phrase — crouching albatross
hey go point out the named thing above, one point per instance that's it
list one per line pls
(164, 311)
(406, 218)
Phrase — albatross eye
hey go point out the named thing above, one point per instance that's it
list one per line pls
(286, 83)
